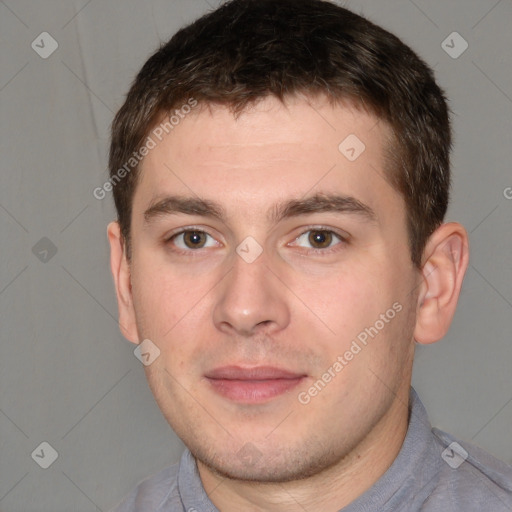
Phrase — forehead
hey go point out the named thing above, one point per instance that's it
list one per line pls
(270, 152)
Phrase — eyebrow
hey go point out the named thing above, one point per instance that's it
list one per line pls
(319, 203)
(172, 205)
(323, 203)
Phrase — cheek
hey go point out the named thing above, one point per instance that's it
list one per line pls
(160, 298)
(173, 310)
(345, 298)
(361, 306)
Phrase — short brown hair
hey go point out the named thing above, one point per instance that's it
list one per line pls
(246, 50)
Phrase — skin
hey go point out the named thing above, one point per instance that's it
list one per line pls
(298, 306)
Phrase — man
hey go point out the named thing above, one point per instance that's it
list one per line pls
(281, 174)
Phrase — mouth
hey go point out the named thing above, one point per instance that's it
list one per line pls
(252, 385)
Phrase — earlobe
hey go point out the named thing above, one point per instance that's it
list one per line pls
(122, 280)
(446, 261)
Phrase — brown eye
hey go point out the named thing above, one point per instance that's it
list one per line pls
(194, 239)
(320, 239)
(190, 240)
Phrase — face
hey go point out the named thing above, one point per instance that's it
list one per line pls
(271, 268)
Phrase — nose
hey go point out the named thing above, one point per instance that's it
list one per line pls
(251, 300)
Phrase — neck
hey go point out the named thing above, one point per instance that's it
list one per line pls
(331, 489)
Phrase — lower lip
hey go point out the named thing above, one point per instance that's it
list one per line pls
(253, 391)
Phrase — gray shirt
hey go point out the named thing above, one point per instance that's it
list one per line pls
(432, 473)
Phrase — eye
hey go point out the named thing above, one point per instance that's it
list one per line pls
(318, 239)
(192, 239)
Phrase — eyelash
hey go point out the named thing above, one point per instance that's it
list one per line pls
(188, 252)
(343, 240)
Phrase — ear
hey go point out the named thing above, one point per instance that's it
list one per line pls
(121, 273)
(446, 258)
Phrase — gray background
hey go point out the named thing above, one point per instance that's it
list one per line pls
(67, 376)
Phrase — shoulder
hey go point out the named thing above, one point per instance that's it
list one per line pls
(469, 478)
(150, 494)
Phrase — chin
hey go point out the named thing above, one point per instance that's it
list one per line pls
(252, 465)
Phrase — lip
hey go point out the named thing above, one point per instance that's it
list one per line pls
(252, 385)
